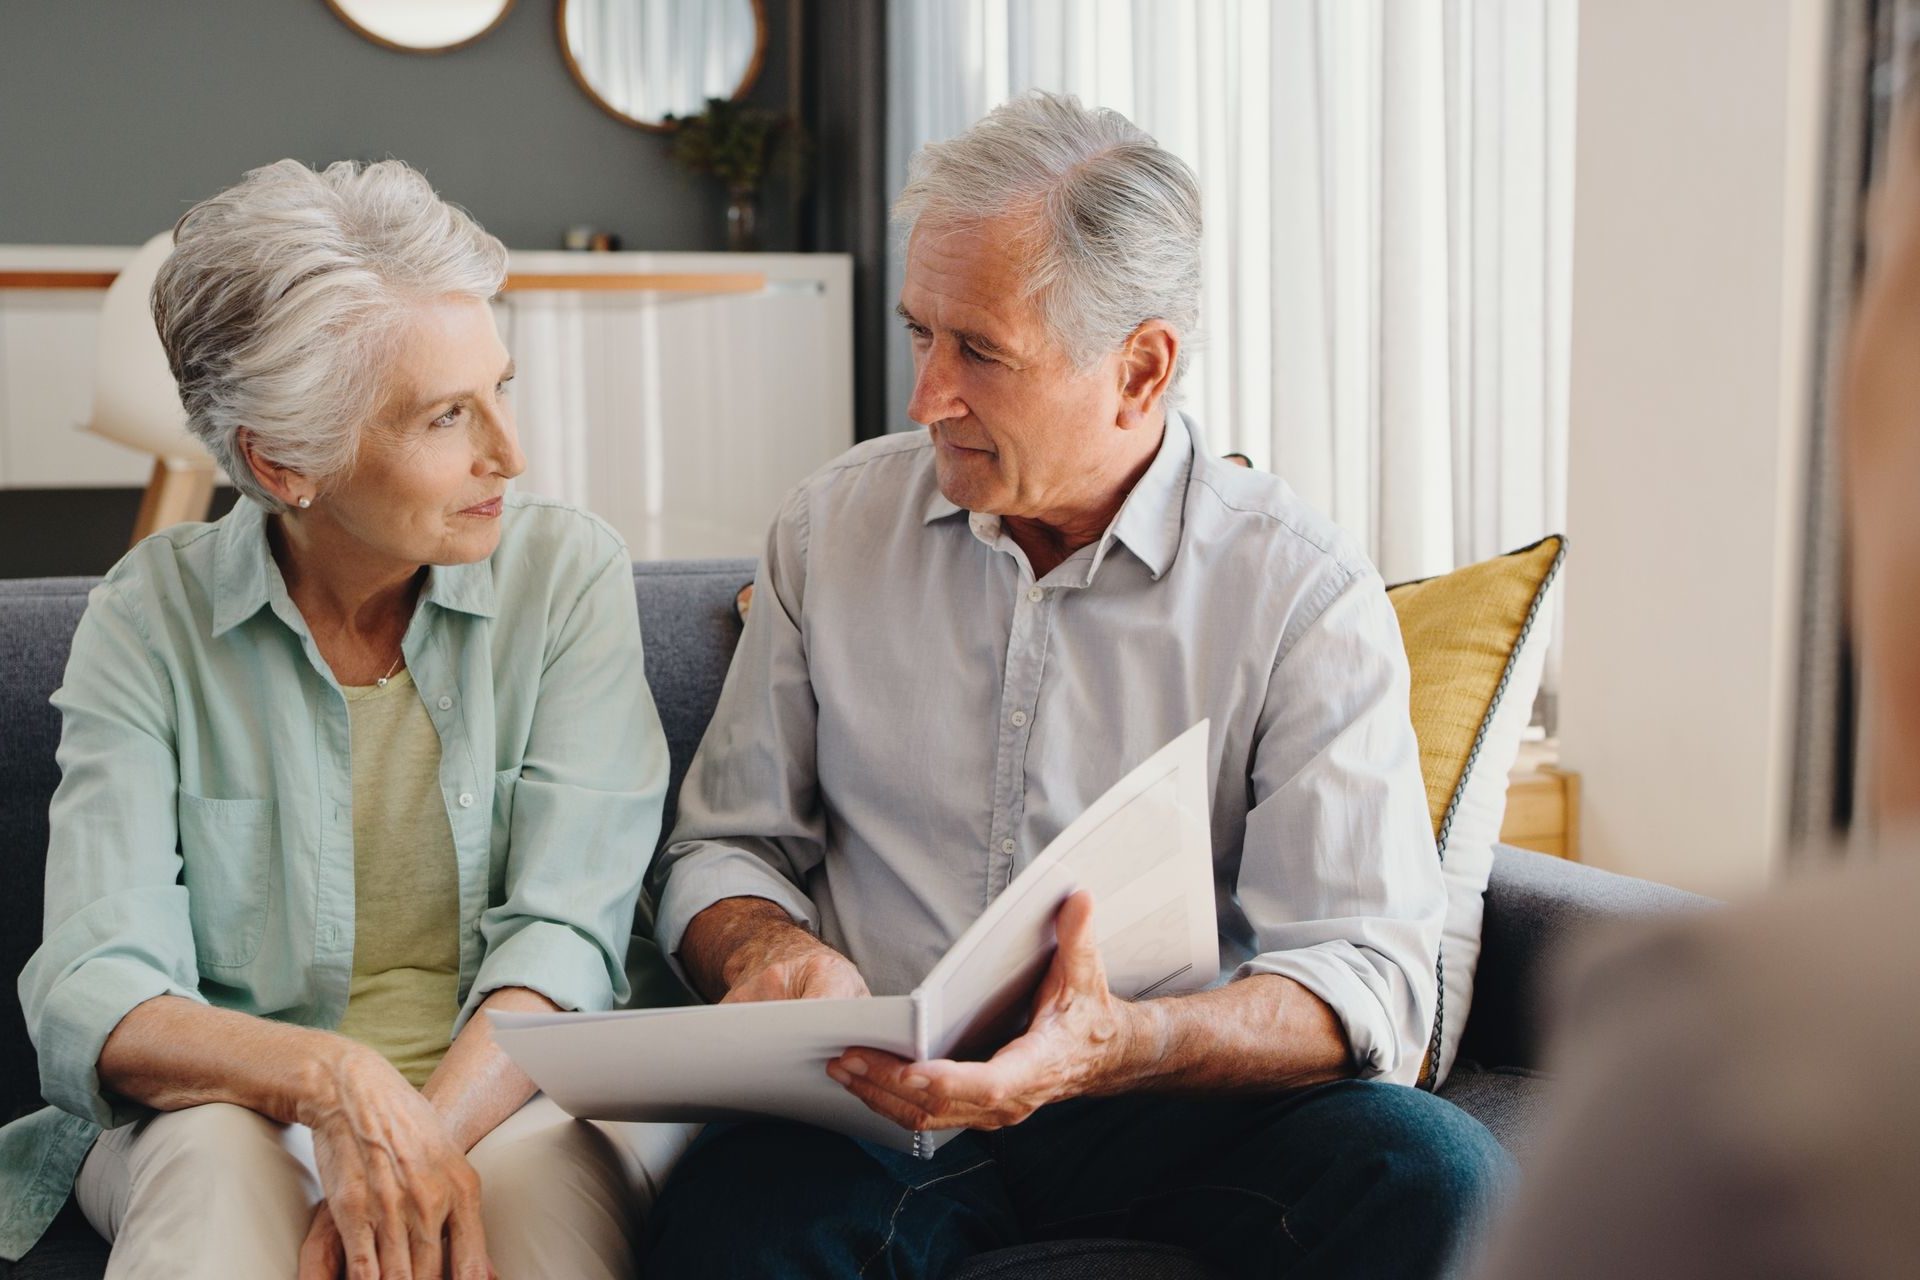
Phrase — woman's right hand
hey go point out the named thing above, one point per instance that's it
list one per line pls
(401, 1199)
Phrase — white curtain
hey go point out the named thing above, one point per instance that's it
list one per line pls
(1387, 187)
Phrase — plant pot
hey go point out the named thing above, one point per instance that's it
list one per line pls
(743, 220)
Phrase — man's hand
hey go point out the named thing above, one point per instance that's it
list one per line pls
(794, 965)
(743, 949)
(1081, 1039)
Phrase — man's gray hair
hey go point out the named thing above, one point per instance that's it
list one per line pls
(1115, 233)
(279, 301)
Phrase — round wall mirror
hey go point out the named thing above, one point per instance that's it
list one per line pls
(644, 60)
(422, 26)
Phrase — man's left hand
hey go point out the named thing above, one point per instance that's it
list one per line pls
(1081, 1039)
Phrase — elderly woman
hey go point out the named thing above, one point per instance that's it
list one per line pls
(370, 755)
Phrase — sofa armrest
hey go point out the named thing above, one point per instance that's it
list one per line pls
(1535, 907)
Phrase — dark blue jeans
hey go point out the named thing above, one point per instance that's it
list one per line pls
(1348, 1179)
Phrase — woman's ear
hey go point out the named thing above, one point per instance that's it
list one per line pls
(288, 486)
(1147, 363)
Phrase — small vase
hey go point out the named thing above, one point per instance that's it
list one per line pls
(743, 220)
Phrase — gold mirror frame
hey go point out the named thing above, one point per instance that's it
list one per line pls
(748, 78)
(506, 7)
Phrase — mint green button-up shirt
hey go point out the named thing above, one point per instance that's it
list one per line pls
(202, 833)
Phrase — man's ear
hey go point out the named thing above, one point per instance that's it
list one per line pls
(1147, 362)
(286, 485)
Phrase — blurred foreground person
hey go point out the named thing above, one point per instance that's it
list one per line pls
(1738, 1098)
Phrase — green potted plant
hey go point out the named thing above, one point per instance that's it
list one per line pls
(740, 144)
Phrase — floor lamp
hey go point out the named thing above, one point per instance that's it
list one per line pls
(135, 401)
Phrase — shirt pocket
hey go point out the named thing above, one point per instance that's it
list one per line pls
(226, 850)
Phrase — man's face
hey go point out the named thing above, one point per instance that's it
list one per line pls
(1017, 430)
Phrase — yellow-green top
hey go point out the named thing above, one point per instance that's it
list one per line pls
(406, 883)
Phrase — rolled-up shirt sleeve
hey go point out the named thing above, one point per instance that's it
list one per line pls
(750, 822)
(117, 931)
(586, 810)
(1338, 875)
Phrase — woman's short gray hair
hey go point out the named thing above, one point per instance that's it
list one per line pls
(1115, 232)
(281, 293)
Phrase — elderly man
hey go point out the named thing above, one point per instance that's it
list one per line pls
(960, 638)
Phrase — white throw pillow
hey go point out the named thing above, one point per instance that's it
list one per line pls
(1479, 809)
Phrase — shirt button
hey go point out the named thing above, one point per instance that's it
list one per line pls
(328, 933)
(446, 703)
(1019, 718)
(1036, 595)
(1006, 846)
(466, 799)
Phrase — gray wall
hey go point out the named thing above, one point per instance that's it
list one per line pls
(116, 115)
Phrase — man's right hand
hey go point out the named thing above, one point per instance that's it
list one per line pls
(800, 970)
(742, 949)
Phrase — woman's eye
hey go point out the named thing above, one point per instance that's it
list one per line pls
(500, 388)
(448, 418)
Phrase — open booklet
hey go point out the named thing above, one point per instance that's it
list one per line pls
(1145, 852)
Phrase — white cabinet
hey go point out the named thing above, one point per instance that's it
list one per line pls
(46, 377)
(682, 418)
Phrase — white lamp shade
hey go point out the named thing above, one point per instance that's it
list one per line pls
(135, 401)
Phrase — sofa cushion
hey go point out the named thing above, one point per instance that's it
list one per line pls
(71, 1250)
(1538, 909)
(1476, 645)
(1508, 1100)
(37, 620)
(689, 628)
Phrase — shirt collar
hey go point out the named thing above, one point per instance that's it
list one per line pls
(246, 578)
(241, 564)
(1150, 518)
(938, 508)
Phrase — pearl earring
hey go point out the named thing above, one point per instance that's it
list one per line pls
(305, 503)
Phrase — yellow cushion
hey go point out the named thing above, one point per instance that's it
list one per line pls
(1461, 630)
(1476, 647)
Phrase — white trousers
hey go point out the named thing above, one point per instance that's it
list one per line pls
(219, 1190)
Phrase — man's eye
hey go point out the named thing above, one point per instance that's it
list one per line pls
(976, 356)
(501, 388)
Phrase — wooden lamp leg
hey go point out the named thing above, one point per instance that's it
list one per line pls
(177, 492)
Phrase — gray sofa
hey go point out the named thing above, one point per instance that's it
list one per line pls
(1534, 903)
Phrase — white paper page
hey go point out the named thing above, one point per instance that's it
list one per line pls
(1145, 851)
(712, 1062)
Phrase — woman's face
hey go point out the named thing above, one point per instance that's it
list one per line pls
(428, 483)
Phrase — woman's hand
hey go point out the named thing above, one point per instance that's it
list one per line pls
(322, 1256)
(401, 1200)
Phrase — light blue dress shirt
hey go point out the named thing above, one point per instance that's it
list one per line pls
(910, 718)
(202, 833)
